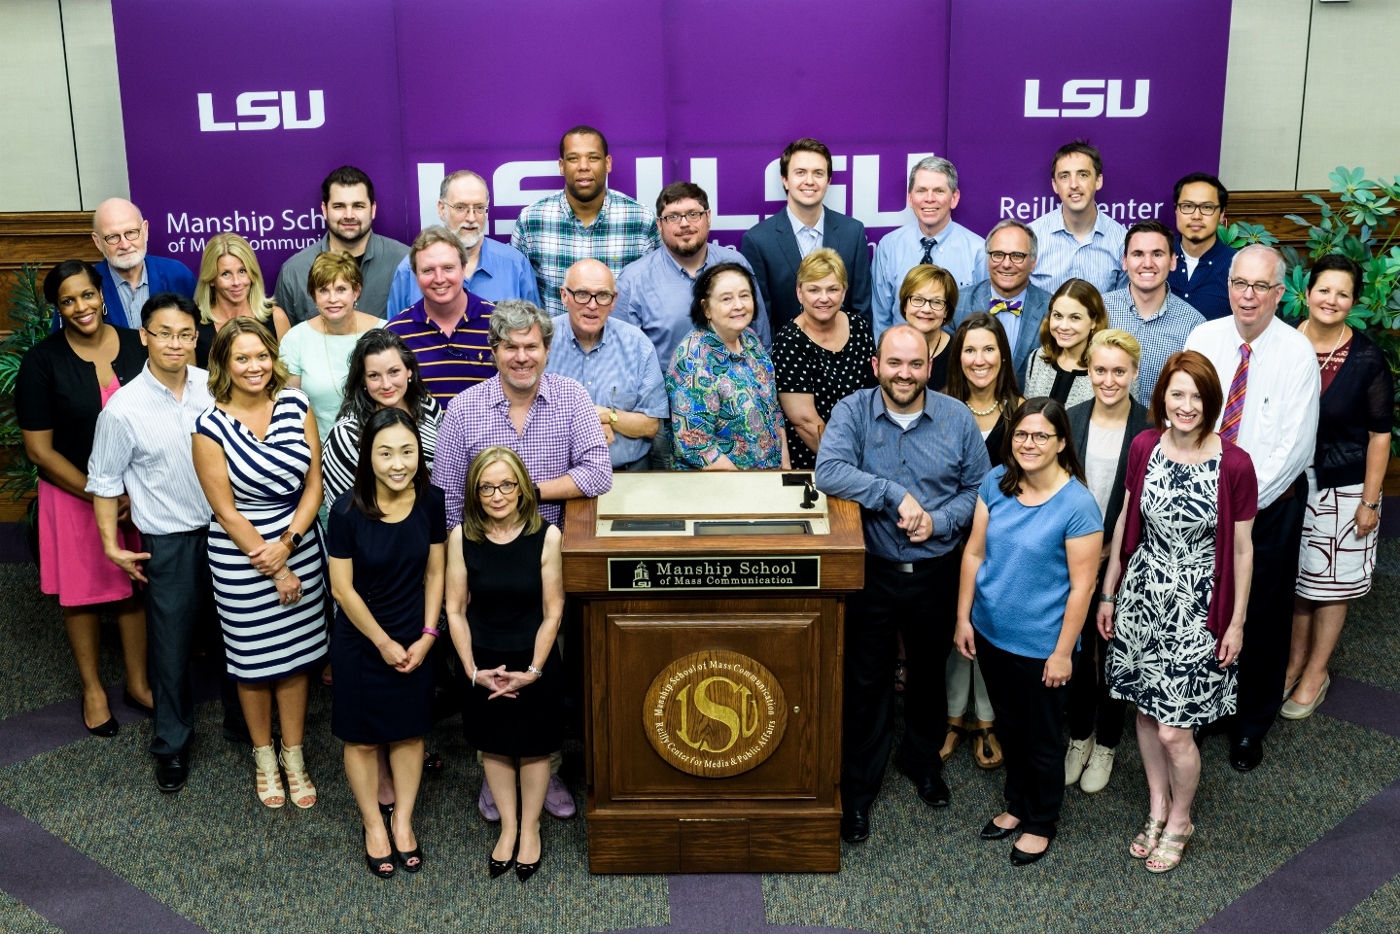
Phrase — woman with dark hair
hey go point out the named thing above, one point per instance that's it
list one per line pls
(1027, 578)
(927, 298)
(505, 596)
(258, 458)
(387, 546)
(1344, 499)
(64, 381)
(1061, 369)
(725, 413)
(1175, 592)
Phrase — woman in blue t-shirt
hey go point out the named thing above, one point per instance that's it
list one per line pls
(1027, 577)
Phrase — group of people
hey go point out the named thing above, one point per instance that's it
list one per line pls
(1070, 478)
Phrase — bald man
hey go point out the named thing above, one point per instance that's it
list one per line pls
(615, 361)
(129, 276)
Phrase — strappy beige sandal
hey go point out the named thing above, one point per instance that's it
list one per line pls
(1146, 840)
(270, 791)
(1168, 851)
(303, 793)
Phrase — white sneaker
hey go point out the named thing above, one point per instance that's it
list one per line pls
(1097, 772)
(1079, 752)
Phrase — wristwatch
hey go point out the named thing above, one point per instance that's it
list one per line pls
(612, 416)
(291, 539)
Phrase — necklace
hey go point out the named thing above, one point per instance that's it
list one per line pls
(983, 414)
(1341, 332)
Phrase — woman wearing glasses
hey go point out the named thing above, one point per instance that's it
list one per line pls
(821, 356)
(231, 286)
(1027, 579)
(64, 381)
(926, 300)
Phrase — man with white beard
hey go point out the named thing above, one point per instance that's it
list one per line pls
(495, 271)
(129, 276)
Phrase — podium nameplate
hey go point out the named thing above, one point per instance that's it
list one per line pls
(720, 572)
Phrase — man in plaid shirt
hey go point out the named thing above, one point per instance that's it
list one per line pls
(586, 220)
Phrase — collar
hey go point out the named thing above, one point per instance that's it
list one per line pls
(681, 270)
(476, 305)
(369, 245)
(568, 327)
(1101, 220)
(496, 394)
(797, 225)
(994, 296)
(746, 342)
(602, 209)
(878, 407)
(143, 282)
(193, 376)
(1209, 256)
(939, 238)
(487, 260)
(1166, 305)
(1263, 340)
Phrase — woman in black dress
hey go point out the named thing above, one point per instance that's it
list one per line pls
(927, 300)
(387, 543)
(505, 595)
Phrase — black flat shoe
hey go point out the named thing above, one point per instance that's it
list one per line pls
(172, 772)
(136, 705)
(933, 791)
(1246, 753)
(1022, 858)
(498, 868)
(104, 730)
(524, 871)
(855, 826)
(381, 866)
(994, 832)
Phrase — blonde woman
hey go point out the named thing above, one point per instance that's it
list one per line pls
(1061, 369)
(231, 286)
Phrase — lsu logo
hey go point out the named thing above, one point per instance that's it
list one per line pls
(1087, 98)
(272, 109)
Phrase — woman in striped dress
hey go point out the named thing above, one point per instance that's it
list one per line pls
(258, 458)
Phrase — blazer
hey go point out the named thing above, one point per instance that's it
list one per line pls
(162, 275)
(1079, 427)
(1035, 307)
(771, 249)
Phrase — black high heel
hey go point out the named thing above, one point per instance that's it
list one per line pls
(104, 730)
(377, 863)
(525, 870)
(404, 858)
(386, 811)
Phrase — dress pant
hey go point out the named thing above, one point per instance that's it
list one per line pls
(1031, 725)
(1268, 625)
(919, 600)
(1089, 700)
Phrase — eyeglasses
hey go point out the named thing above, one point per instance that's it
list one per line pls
(604, 299)
(1041, 438)
(506, 487)
(1190, 207)
(133, 235)
(937, 304)
(692, 216)
(187, 338)
(468, 210)
(1001, 256)
(1258, 288)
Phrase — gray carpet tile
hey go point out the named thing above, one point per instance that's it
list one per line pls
(1369, 649)
(1379, 914)
(17, 919)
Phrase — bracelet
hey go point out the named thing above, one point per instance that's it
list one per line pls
(535, 671)
(283, 577)
(1108, 598)
(1374, 507)
(474, 671)
(432, 632)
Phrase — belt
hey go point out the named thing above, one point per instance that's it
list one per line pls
(1293, 487)
(906, 567)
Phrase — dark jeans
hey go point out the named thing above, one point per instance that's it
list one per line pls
(923, 606)
(1088, 690)
(1268, 628)
(1030, 724)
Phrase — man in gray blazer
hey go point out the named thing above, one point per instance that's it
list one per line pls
(1016, 304)
(776, 247)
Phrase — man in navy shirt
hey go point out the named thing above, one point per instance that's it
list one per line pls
(1202, 261)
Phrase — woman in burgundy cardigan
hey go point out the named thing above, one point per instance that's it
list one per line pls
(1183, 552)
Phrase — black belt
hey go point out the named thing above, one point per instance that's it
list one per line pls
(906, 567)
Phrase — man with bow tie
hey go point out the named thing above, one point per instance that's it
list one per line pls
(1018, 306)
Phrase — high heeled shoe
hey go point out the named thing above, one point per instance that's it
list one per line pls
(524, 871)
(298, 782)
(381, 866)
(105, 730)
(407, 859)
(269, 787)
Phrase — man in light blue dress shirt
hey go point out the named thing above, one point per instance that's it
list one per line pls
(934, 237)
(494, 271)
(614, 361)
(1078, 241)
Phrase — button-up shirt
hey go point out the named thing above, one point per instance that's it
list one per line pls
(561, 436)
(142, 448)
(808, 238)
(655, 292)
(1207, 289)
(724, 404)
(955, 248)
(377, 266)
(1098, 260)
(133, 299)
(1161, 335)
(552, 237)
(1278, 427)
(619, 372)
(449, 364)
(941, 459)
(502, 272)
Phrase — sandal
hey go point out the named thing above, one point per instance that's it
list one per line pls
(986, 748)
(957, 732)
(1168, 851)
(270, 791)
(901, 675)
(1146, 840)
(303, 792)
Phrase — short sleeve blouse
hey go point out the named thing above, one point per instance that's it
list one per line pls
(804, 366)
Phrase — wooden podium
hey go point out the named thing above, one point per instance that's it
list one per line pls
(713, 609)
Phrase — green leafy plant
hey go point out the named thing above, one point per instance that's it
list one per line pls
(30, 317)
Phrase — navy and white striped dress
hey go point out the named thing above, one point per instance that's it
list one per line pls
(263, 639)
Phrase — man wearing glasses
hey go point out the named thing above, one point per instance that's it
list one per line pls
(614, 362)
(1269, 374)
(1202, 260)
(495, 271)
(1007, 293)
(129, 276)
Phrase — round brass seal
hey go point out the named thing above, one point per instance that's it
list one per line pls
(715, 714)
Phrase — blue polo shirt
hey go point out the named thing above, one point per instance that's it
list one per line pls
(502, 272)
(1208, 289)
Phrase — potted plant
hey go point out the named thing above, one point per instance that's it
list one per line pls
(30, 317)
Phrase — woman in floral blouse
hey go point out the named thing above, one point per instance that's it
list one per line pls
(724, 398)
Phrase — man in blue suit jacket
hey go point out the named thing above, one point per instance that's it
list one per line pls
(775, 247)
(1011, 252)
(129, 276)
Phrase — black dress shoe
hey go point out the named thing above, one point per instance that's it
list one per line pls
(172, 772)
(1022, 858)
(136, 705)
(524, 871)
(104, 730)
(855, 825)
(994, 832)
(1246, 753)
(933, 790)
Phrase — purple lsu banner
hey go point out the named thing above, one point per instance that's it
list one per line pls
(235, 112)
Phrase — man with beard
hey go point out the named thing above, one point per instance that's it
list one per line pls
(129, 276)
(347, 204)
(654, 292)
(587, 220)
(913, 460)
(494, 271)
(1202, 272)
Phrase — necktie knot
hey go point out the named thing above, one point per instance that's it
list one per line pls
(928, 243)
(1001, 304)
